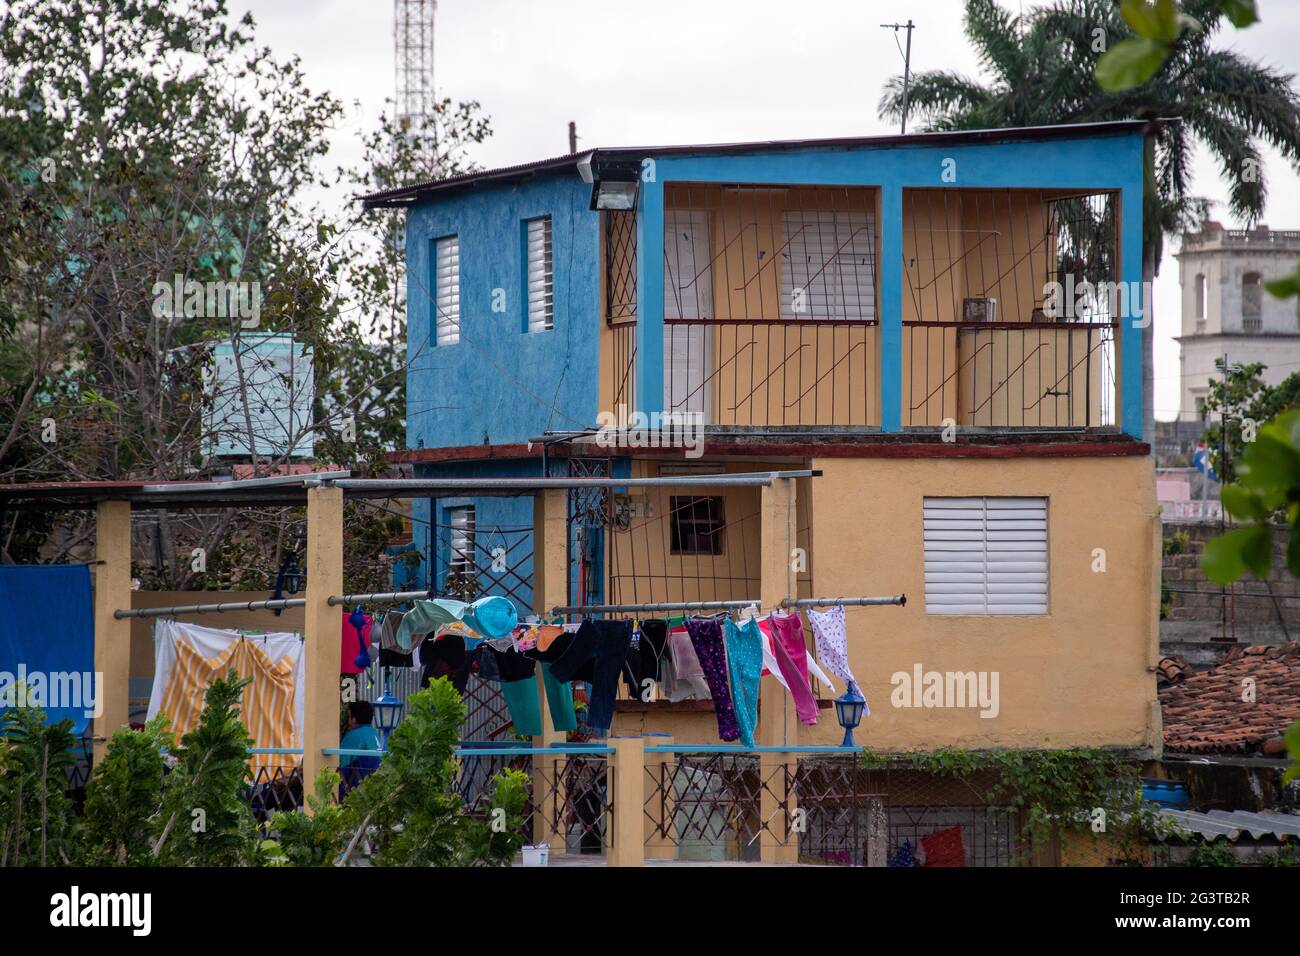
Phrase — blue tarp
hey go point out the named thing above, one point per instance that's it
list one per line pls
(47, 638)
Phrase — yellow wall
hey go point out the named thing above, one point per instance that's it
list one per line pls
(1081, 674)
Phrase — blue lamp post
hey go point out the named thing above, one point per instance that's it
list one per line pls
(388, 711)
(848, 708)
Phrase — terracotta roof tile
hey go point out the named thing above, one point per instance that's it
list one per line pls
(1206, 712)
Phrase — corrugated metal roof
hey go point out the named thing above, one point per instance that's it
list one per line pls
(403, 195)
(1234, 823)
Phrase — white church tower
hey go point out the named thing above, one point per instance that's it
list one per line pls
(1226, 310)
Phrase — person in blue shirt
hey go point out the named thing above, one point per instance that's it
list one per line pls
(361, 735)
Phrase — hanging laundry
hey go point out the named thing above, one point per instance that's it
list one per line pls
(770, 666)
(832, 645)
(559, 701)
(388, 633)
(491, 616)
(189, 657)
(706, 638)
(49, 628)
(445, 657)
(354, 642)
(518, 686)
(683, 676)
(791, 655)
(649, 642)
(594, 653)
(745, 663)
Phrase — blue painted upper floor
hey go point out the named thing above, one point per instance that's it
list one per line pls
(984, 280)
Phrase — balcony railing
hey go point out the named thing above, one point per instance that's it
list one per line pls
(1009, 375)
(770, 307)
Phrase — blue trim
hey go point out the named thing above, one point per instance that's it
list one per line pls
(890, 266)
(650, 298)
(1130, 417)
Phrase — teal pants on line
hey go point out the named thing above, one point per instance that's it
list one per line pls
(525, 708)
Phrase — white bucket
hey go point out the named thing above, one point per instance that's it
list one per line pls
(537, 855)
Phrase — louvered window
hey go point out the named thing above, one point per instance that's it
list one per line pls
(985, 555)
(541, 314)
(461, 557)
(446, 282)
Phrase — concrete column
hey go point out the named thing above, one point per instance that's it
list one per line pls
(776, 718)
(112, 636)
(322, 629)
(649, 396)
(660, 824)
(550, 589)
(627, 790)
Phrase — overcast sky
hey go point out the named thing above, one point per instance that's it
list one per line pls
(631, 73)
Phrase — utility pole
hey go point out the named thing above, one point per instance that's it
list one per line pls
(907, 62)
(573, 137)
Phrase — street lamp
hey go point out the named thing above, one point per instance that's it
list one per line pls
(848, 708)
(388, 710)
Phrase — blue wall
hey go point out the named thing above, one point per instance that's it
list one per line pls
(499, 384)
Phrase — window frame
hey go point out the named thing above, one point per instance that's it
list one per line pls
(546, 295)
(437, 254)
(945, 555)
(677, 504)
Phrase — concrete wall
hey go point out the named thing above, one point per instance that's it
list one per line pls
(1080, 674)
(1204, 619)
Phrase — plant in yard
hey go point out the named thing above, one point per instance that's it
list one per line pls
(408, 809)
(123, 795)
(204, 819)
(37, 825)
(301, 839)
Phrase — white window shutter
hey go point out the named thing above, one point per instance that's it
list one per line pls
(985, 555)
(462, 523)
(541, 314)
(446, 256)
(830, 257)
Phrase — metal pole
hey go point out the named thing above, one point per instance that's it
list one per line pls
(379, 597)
(269, 605)
(907, 75)
(907, 65)
(898, 599)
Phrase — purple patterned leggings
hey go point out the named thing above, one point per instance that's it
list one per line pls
(706, 638)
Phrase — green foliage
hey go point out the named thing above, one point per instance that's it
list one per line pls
(123, 793)
(37, 826)
(1133, 61)
(310, 839)
(1241, 402)
(203, 819)
(1268, 484)
(408, 810)
(1177, 543)
(1052, 790)
(1211, 854)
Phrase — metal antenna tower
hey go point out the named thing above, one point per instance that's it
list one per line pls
(413, 56)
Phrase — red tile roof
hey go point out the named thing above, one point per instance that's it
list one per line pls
(1206, 713)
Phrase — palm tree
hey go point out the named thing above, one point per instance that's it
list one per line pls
(1040, 69)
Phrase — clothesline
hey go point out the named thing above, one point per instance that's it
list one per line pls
(897, 599)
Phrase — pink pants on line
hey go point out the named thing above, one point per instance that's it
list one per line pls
(791, 655)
